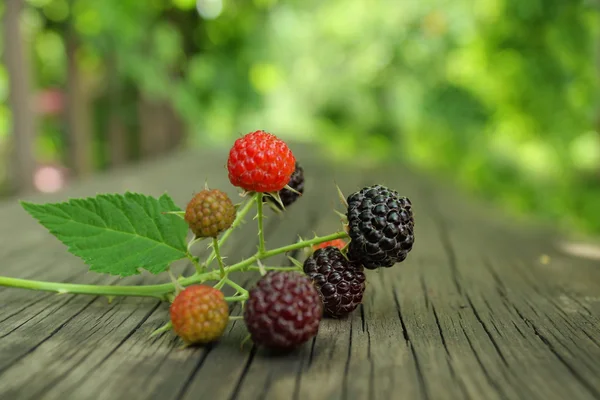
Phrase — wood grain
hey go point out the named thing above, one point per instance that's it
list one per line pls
(473, 313)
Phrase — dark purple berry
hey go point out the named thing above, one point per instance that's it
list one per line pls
(283, 310)
(287, 196)
(340, 283)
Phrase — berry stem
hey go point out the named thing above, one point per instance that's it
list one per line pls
(166, 327)
(239, 217)
(220, 284)
(299, 245)
(75, 288)
(240, 290)
(288, 268)
(236, 298)
(218, 255)
(162, 291)
(193, 241)
(178, 287)
(194, 260)
(259, 215)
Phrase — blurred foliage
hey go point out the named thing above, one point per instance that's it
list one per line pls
(501, 95)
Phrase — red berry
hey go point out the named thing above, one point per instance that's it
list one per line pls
(283, 310)
(260, 162)
(339, 243)
(199, 314)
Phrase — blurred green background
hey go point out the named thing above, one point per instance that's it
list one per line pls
(498, 95)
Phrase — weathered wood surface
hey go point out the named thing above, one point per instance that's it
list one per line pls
(471, 314)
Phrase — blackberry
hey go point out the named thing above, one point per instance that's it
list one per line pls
(381, 227)
(340, 283)
(283, 310)
(287, 196)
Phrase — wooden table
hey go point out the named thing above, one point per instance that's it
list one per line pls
(485, 307)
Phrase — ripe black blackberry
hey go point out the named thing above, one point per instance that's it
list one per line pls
(340, 283)
(381, 227)
(287, 196)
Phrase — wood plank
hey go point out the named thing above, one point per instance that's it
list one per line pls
(55, 322)
(507, 347)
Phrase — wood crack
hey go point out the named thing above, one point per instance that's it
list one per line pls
(268, 381)
(453, 373)
(425, 291)
(38, 300)
(129, 334)
(243, 374)
(54, 332)
(365, 328)
(20, 310)
(312, 351)
(437, 322)
(487, 374)
(38, 313)
(589, 387)
(415, 357)
(205, 352)
(487, 331)
(78, 363)
(347, 365)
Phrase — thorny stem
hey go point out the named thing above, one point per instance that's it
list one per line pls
(194, 260)
(75, 288)
(178, 287)
(161, 290)
(240, 290)
(219, 259)
(166, 291)
(193, 242)
(259, 216)
(288, 268)
(166, 327)
(236, 298)
(241, 213)
(220, 284)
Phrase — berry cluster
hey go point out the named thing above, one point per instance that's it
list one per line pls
(286, 306)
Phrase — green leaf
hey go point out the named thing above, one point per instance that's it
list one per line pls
(117, 234)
